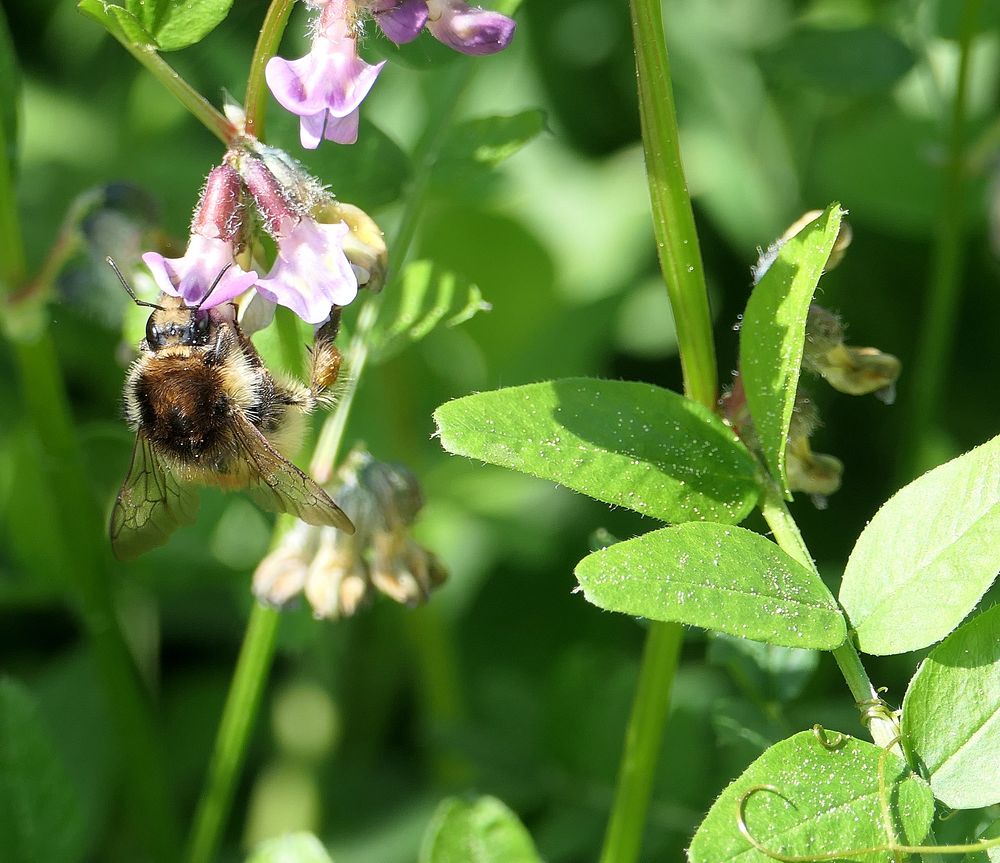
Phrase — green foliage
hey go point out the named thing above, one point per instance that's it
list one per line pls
(477, 831)
(723, 578)
(168, 25)
(478, 145)
(951, 723)
(773, 333)
(424, 297)
(629, 444)
(928, 555)
(764, 671)
(40, 815)
(823, 800)
(991, 855)
(292, 848)
(10, 86)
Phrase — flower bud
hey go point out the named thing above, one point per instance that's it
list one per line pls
(219, 213)
(468, 29)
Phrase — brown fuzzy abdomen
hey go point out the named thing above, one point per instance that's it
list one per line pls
(184, 408)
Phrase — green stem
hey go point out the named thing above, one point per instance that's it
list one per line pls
(13, 267)
(238, 717)
(937, 335)
(271, 31)
(680, 262)
(643, 739)
(882, 726)
(198, 105)
(673, 218)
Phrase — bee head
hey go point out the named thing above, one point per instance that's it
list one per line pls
(175, 323)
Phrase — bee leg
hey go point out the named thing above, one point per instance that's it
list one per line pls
(325, 357)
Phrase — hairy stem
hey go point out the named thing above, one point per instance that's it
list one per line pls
(944, 292)
(271, 31)
(680, 263)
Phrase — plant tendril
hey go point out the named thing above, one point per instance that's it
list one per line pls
(828, 743)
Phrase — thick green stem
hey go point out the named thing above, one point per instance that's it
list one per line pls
(271, 31)
(680, 263)
(882, 726)
(238, 717)
(944, 293)
(643, 738)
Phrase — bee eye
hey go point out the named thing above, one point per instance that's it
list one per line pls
(152, 336)
(201, 324)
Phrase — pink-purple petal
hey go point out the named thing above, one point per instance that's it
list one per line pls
(192, 276)
(311, 129)
(402, 21)
(343, 130)
(472, 31)
(298, 85)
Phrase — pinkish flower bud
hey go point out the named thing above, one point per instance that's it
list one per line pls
(273, 201)
(325, 87)
(468, 29)
(220, 211)
(400, 20)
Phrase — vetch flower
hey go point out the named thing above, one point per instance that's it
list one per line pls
(325, 87)
(400, 20)
(215, 231)
(469, 29)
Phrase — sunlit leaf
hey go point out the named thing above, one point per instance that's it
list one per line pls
(293, 848)
(10, 87)
(176, 24)
(951, 715)
(477, 145)
(477, 831)
(118, 20)
(629, 444)
(40, 815)
(826, 800)
(425, 297)
(723, 578)
(991, 855)
(928, 555)
(773, 333)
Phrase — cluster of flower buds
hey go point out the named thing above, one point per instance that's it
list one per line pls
(855, 371)
(326, 87)
(337, 571)
(325, 249)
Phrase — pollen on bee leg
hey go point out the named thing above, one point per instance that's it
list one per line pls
(326, 360)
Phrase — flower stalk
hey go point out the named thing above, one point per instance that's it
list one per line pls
(271, 31)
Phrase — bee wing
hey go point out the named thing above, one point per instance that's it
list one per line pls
(152, 503)
(275, 484)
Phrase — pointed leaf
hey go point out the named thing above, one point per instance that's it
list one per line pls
(628, 444)
(773, 333)
(928, 555)
(478, 831)
(723, 578)
(291, 848)
(176, 24)
(951, 715)
(40, 814)
(827, 801)
(991, 855)
(477, 145)
(426, 296)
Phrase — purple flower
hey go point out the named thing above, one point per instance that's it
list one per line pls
(325, 87)
(468, 29)
(191, 276)
(400, 20)
(311, 273)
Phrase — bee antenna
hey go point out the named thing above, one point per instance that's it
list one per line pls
(128, 290)
(215, 284)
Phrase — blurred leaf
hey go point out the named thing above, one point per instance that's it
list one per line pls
(10, 87)
(177, 24)
(773, 333)
(293, 848)
(40, 816)
(424, 297)
(927, 556)
(826, 800)
(991, 855)
(948, 17)
(479, 831)
(477, 145)
(117, 20)
(765, 672)
(629, 444)
(951, 723)
(724, 578)
(847, 63)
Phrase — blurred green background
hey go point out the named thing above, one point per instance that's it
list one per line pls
(508, 683)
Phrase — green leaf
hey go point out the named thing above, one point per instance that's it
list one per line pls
(852, 62)
(477, 145)
(10, 89)
(991, 855)
(724, 578)
(117, 20)
(773, 333)
(176, 24)
(292, 848)
(766, 672)
(40, 815)
(827, 801)
(928, 555)
(951, 715)
(478, 831)
(629, 444)
(424, 297)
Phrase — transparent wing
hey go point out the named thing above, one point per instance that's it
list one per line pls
(152, 504)
(275, 484)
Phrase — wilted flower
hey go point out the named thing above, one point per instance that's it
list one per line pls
(325, 87)
(336, 571)
(215, 231)
(814, 473)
